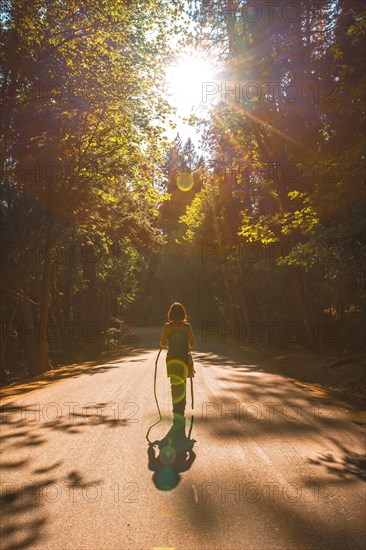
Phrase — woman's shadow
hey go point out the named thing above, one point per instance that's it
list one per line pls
(172, 455)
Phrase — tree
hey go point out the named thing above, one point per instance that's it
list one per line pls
(286, 156)
(82, 119)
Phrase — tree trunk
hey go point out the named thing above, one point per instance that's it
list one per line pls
(90, 279)
(244, 306)
(91, 328)
(43, 360)
(303, 306)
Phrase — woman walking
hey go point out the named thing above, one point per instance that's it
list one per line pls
(178, 336)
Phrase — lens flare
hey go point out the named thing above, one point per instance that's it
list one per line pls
(178, 369)
(185, 181)
(178, 372)
(179, 389)
(167, 455)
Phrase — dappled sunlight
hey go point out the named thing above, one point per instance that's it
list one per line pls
(267, 419)
(182, 291)
(264, 448)
(25, 429)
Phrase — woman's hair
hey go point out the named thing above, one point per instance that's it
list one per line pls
(177, 313)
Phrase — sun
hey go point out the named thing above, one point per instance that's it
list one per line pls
(186, 81)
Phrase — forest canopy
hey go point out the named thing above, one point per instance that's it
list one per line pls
(104, 221)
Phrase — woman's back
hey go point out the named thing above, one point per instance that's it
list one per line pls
(178, 340)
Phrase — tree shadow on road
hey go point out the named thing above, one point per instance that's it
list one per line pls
(266, 414)
(347, 466)
(25, 500)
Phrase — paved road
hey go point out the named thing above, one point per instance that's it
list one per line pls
(273, 466)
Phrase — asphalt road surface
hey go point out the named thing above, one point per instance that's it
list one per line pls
(273, 465)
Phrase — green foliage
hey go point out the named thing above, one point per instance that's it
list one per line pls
(82, 150)
(314, 213)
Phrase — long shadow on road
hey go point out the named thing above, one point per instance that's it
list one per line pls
(248, 403)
